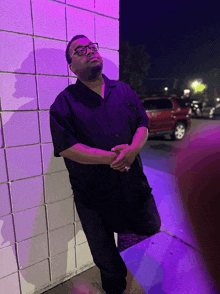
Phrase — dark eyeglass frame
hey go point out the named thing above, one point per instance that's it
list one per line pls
(85, 49)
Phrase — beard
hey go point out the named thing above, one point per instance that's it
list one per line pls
(90, 73)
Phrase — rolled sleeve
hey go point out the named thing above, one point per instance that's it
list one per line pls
(62, 132)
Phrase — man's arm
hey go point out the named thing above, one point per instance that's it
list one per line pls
(87, 155)
(139, 139)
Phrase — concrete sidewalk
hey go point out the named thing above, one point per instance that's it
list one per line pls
(168, 262)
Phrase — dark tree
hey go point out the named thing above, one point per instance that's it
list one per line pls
(133, 66)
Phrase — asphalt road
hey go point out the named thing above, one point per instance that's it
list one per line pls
(158, 151)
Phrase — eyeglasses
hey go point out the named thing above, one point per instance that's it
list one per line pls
(83, 50)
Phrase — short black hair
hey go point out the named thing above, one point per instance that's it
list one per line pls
(68, 58)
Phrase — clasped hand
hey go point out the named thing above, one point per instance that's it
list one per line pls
(126, 156)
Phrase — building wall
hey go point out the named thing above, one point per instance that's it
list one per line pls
(41, 238)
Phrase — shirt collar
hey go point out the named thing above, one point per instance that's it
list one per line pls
(108, 84)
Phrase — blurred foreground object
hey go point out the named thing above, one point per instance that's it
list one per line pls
(198, 178)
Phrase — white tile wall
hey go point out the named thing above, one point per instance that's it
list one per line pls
(43, 222)
(18, 92)
(107, 32)
(17, 128)
(62, 264)
(12, 58)
(45, 127)
(88, 5)
(3, 174)
(8, 263)
(48, 89)
(80, 22)
(29, 223)
(7, 235)
(50, 57)
(51, 163)
(13, 20)
(27, 193)
(108, 8)
(62, 239)
(24, 162)
(110, 63)
(32, 251)
(34, 277)
(60, 213)
(49, 19)
(10, 284)
(57, 187)
(80, 235)
(83, 255)
(5, 207)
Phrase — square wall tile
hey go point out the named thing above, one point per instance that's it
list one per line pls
(18, 91)
(3, 174)
(49, 88)
(21, 129)
(50, 162)
(57, 187)
(107, 32)
(80, 22)
(7, 236)
(80, 235)
(24, 162)
(10, 284)
(60, 213)
(27, 193)
(30, 223)
(35, 277)
(23, 60)
(16, 16)
(84, 256)
(110, 63)
(32, 251)
(110, 8)
(62, 239)
(45, 126)
(49, 19)
(8, 263)
(63, 264)
(50, 57)
(89, 4)
(5, 207)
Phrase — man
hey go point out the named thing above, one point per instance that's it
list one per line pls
(99, 126)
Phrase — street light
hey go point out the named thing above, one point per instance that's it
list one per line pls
(195, 84)
(198, 86)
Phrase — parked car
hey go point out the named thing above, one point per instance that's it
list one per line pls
(196, 106)
(167, 115)
(215, 112)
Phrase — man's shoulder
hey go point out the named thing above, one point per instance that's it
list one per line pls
(63, 96)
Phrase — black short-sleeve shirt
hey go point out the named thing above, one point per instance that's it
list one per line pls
(79, 115)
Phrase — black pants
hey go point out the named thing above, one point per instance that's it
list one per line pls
(99, 225)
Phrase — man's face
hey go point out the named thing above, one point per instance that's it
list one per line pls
(82, 66)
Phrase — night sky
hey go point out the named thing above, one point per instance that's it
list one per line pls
(181, 37)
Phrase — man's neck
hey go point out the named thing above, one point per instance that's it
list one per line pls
(94, 84)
